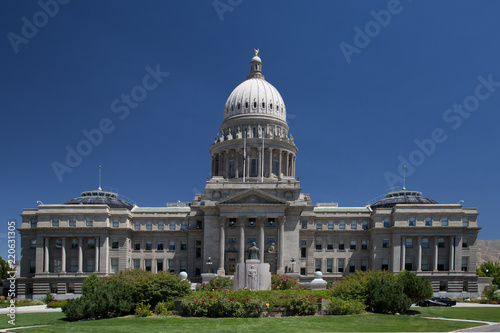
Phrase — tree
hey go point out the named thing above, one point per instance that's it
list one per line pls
(4, 268)
(415, 287)
(490, 269)
(387, 296)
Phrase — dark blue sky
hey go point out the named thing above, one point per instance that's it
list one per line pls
(356, 102)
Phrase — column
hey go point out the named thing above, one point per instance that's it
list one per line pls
(270, 175)
(279, 163)
(63, 255)
(419, 254)
(403, 253)
(226, 173)
(236, 164)
(293, 165)
(213, 165)
(452, 253)
(259, 164)
(248, 163)
(46, 262)
(222, 241)
(281, 238)
(261, 238)
(96, 269)
(106, 255)
(287, 171)
(241, 223)
(435, 253)
(219, 164)
(458, 253)
(80, 255)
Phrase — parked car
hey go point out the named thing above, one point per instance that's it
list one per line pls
(438, 301)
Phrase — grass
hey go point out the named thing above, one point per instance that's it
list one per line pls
(29, 319)
(486, 314)
(354, 323)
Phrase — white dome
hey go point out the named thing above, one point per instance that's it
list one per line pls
(255, 95)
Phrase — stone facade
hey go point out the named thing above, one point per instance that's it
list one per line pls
(253, 195)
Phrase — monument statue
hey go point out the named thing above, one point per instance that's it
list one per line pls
(253, 252)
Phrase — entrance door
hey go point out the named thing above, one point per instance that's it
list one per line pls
(231, 267)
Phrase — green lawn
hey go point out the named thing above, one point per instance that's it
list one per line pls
(354, 323)
(486, 314)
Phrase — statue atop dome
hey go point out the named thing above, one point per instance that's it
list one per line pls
(256, 52)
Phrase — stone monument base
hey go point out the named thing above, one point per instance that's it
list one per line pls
(253, 275)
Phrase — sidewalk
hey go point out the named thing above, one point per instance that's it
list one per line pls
(31, 309)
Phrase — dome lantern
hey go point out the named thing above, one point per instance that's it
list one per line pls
(256, 67)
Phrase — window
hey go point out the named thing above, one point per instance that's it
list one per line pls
(330, 225)
(73, 265)
(341, 246)
(116, 223)
(149, 225)
(231, 169)
(387, 223)
(385, 243)
(302, 271)
(408, 243)
(365, 225)
(428, 221)
(72, 222)
(271, 223)
(440, 264)
(70, 288)
(55, 222)
(91, 265)
(352, 266)
(172, 225)
(385, 264)
(89, 222)
(270, 240)
(409, 264)
(425, 264)
(465, 286)
(149, 246)
(319, 225)
(465, 224)
(317, 265)
(342, 225)
(364, 245)
(304, 224)
(159, 265)
(329, 246)
(32, 266)
(161, 225)
(250, 240)
(329, 265)
(184, 225)
(425, 243)
(318, 246)
(199, 225)
(354, 225)
(171, 266)
(171, 246)
(352, 246)
(114, 243)
(443, 286)
(251, 223)
(33, 223)
(275, 167)
(137, 225)
(465, 264)
(340, 267)
(137, 264)
(183, 265)
(53, 287)
(198, 249)
(58, 243)
(33, 244)
(411, 222)
(147, 265)
(91, 243)
(441, 242)
(364, 264)
(232, 240)
(183, 245)
(444, 221)
(159, 246)
(74, 243)
(137, 245)
(303, 252)
(253, 167)
(232, 223)
(465, 242)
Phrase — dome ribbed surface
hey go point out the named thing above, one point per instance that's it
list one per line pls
(402, 197)
(100, 197)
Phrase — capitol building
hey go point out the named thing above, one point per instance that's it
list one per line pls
(253, 195)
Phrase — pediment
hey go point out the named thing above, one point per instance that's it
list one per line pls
(253, 197)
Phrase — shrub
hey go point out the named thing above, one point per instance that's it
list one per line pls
(490, 291)
(284, 282)
(142, 310)
(48, 297)
(56, 304)
(338, 306)
(217, 283)
(355, 286)
(415, 287)
(90, 284)
(305, 306)
(36, 302)
(254, 308)
(164, 309)
(387, 296)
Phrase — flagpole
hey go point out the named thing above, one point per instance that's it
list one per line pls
(263, 136)
(244, 155)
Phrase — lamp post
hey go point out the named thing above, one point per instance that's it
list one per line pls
(209, 264)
